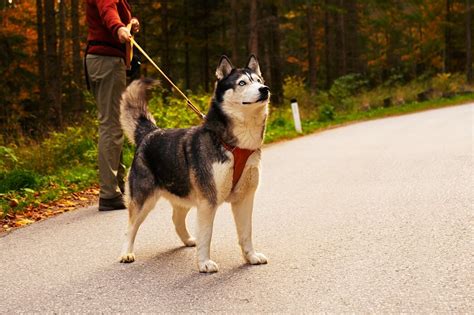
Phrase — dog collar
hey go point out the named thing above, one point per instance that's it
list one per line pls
(240, 159)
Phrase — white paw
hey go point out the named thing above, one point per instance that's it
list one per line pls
(256, 259)
(208, 266)
(190, 242)
(127, 258)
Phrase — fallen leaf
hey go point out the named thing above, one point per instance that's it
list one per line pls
(13, 203)
(23, 222)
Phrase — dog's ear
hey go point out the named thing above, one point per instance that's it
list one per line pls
(253, 65)
(223, 68)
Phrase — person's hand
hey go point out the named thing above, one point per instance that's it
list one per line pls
(124, 34)
(135, 25)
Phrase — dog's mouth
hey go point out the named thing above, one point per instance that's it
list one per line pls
(260, 99)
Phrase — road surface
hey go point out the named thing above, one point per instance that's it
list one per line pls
(372, 217)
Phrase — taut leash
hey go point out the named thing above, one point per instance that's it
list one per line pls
(133, 42)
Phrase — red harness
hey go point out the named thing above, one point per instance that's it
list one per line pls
(240, 159)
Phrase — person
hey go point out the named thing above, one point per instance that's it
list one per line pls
(106, 77)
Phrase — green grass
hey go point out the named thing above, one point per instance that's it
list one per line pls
(285, 130)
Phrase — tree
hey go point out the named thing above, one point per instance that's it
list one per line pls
(275, 58)
(165, 52)
(53, 76)
(311, 42)
(329, 42)
(61, 46)
(40, 55)
(468, 41)
(341, 39)
(253, 31)
(77, 77)
(447, 38)
(352, 41)
(187, 74)
(205, 47)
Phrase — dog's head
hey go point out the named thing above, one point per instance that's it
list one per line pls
(241, 88)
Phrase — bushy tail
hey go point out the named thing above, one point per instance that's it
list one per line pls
(136, 121)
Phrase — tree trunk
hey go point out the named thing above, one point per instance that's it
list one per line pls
(77, 78)
(341, 39)
(205, 49)
(329, 42)
(61, 44)
(253, 37)
(264, 46)
(447, 39)
(52, 62)
(235, 31)
(165, 37)
(142, 14)
(41, 53)
(275, 59)
(187, 74)
(311, 42)
(468, 42)
(354, 64)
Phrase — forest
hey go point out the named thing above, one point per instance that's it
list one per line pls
(311, 42)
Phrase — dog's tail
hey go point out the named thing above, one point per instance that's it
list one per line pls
(135, 118)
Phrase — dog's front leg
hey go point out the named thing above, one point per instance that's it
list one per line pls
(242, 211)
(205, 221)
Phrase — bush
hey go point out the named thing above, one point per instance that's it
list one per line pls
(344, 88)
(7, 158)
(19, 179)
(295, 88)
(76, 145)
(447, 83)
(326, 113)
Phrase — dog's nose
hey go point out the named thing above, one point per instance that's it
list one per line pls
(264, 89)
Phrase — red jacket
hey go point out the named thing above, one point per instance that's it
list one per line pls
(104, 18)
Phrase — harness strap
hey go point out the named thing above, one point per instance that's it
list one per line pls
(240, 159)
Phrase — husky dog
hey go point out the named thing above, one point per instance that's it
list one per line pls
(195, 167)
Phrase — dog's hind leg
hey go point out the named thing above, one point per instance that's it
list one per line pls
(179, 219)
(137, 214)
(242, 211)
(205, 222)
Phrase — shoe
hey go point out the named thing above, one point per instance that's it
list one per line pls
(111, 204)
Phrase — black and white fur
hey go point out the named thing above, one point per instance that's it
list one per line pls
(191, 168)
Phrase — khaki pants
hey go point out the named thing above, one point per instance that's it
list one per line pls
(107, 79)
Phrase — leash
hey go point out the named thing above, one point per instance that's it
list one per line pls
(133, 42)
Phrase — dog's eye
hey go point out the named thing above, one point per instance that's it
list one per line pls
(259, 81)
(242, 83)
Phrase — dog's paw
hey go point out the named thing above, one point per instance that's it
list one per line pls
(208, 266)
(127, 258)
(190, 242)
(256, 259)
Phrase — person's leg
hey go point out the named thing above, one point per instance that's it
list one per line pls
(107, 77)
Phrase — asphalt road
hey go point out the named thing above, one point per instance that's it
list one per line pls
(372, 217)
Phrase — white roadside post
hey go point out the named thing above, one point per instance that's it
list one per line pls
(296, 115)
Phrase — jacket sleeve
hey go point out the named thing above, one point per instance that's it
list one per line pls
(109, 15)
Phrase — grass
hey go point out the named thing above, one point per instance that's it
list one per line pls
(64, 163)
(283, 128)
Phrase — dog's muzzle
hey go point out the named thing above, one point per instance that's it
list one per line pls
(264, 95)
